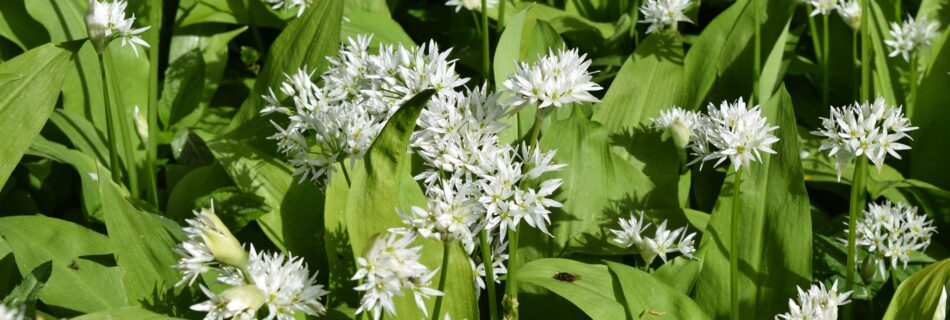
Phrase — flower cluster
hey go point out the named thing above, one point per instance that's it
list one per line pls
(732, 132)
(282, 283)
(555, 80)
(850, 12)
(470, 5)
(663, 14)
(679, 123)
(818, 303)
(892, 231)
(288, 5)
(908, 37)
(341, 116)
(664, 241)
(389, 267)
(869, 129)
(106, 21)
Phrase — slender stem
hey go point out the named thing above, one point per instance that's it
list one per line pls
(865, 50)
(757, 52)
(486, 58)
(345, 173)
(854, 60)
(489, 274)
(511, 287)
(151, 150)
(734, 248)
(501, 15)
(535, 129)
(122, 123)
(446, 249)
(857, 205)
(815, 40)
(825, 63)
(635, 14)
(912, 99)
(114, 165)
(897, 16)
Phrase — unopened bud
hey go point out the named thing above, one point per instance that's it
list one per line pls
(247, 296)
(223, 245)
(97, 25)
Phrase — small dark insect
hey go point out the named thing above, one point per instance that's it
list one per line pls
(566, 277)
(74, 266)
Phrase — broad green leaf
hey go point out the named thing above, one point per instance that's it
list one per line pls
(137, 313)
(380, 184)
(82, 134)
(774, 231)
(773, 71)
(646, 295)
(17, 26)
(85, 166)
(248, 12)
(885, 77)
(306, 41)
(384, 29)
(919, 296)
(197, 183)
(724, 50)
(930, 141)
(679, 273)
(76, 283)
(594, 291)
(26, 103)
(294, 222)
(649, 81)
(142, 246)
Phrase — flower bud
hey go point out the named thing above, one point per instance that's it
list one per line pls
(97, 25)
(223, 245)
(681, 133)
(141, 125)
(247, 297)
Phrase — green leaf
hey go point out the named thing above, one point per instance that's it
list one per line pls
(294, 222)
(85, 166)
(76, 283)
(137, 313)
(380, 184)
(196, 184)
(142, 246)
(646, 295)
(649, 81)
(247, 12)
(723, 51)
(920, 295)
(235, 207)
(384, 29)
(26, 103)
(930, 114)
(319, 28)
(774, 232)
(593, 290)
(16, 25)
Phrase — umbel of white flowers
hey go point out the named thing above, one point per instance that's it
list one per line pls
(556, 79)
(663, 242)
(470, 5)
(282, 283)
(818, 303)
(850, 12)
(341, 116)
(664, 14)
(288, 5)
(388, 268)
(869, 129)
(472, 181)
(106, 21)
(891, 232)
(679, 123)
(911, 36)
(731, 132)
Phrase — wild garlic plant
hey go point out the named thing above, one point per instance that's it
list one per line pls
(862, 131)
(282, 283)
(664, 241)
(739, 134)
(890, 232)
(818, 303)
(339, 116)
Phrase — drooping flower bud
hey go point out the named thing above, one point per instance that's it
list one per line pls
(223, 245)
